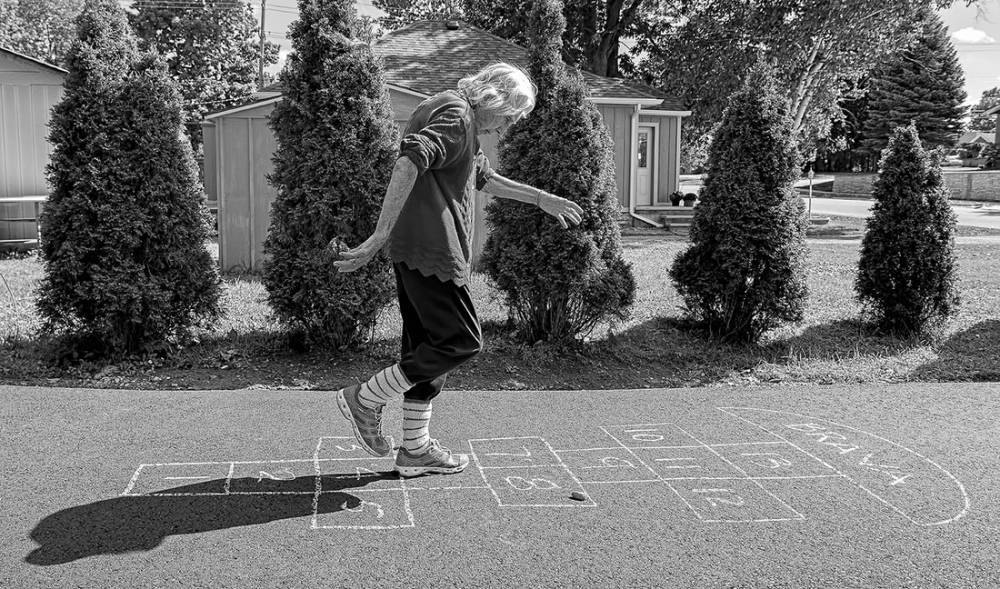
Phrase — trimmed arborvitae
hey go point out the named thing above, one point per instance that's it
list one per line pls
(559, 284)
(745, 270)
(907, 273)
(924, 84)
(336, 146)
(124, 230)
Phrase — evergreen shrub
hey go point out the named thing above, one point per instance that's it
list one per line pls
(744, 272)
(558, 283)
(907, 274)
(123, 232)
(337, 144)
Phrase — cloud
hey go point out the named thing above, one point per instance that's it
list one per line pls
(972, 35)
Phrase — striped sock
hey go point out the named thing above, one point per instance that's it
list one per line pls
(416, 423)
(389, 383)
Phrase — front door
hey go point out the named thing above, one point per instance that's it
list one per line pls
(644, 165)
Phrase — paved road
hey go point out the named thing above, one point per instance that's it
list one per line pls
(973, 214)
(838, 486)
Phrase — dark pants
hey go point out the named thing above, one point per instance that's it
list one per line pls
(440, 330)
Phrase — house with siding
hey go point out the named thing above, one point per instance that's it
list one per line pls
(29, 88)
(421, 60)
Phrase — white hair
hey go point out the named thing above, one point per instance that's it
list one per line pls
(501, 89)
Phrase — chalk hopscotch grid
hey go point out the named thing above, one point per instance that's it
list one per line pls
(651, 471)
(319, 491)
(851, 479)
(589, 502)
(404, 488)
(666, 480)
(747, 476)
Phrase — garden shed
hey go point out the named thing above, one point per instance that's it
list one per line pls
(29, 88)
(420, 60)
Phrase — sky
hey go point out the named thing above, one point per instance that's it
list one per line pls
(975, 33)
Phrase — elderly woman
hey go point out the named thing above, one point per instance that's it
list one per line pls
(426, 222)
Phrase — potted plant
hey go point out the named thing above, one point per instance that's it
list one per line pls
(689, 199)
(676, 197)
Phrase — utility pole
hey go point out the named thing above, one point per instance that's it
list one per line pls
(260, 68)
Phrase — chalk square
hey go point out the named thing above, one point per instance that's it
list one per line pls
(693, 462)
(512, 452)
(542, 486)
(208, 478)
(773, 460)
(254, 478)
(603, 465)
(365, 510)
(649, 435)
(339, 447)
(364, 473)
(732, 500)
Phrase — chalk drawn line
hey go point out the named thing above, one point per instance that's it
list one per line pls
(745, 473)
(961, 487)
(650, 469)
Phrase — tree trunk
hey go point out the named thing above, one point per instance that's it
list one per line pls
(601, 56)
(802, 96)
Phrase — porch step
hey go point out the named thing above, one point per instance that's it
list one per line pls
(672, 218)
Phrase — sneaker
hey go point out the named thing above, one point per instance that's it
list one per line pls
(367, 423)
(435, 459)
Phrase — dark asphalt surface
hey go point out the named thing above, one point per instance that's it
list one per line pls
(791, 486)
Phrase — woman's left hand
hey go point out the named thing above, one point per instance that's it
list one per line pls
(562, 209)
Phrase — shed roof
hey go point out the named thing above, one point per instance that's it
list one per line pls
(32, 60)
(429, 57)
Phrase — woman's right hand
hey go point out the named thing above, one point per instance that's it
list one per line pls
(357, 257)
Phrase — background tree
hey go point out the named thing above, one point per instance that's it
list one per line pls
(43, 29)
(337, 144)
(399, 13)
(591, 38)
(558, 284)
(843, 150)
(979, 121)
(907, 275)
(212, 50)
(923, 83)
(123, 231)
(818, 48)
(744, 272)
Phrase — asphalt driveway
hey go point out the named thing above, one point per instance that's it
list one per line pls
(792, 486)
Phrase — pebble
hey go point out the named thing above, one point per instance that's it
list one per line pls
(578, 496)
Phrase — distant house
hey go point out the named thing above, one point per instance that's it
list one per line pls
(29, 88)
(420, 60)
(976, 138)
(995, 113)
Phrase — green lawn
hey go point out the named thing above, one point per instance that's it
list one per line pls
(247, 349)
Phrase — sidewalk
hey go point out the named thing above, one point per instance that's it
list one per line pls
(792, 486)
(968, 212)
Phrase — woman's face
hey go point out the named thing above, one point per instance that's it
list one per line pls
(487, 123)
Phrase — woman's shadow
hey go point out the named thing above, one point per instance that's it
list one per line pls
(140, 522)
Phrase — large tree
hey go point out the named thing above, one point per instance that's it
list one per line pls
(744, 272)
(923, 83)
(336, 146)
(43, 29)
(212, 50)
(907, 271)
(558, 283)
(123, 231)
